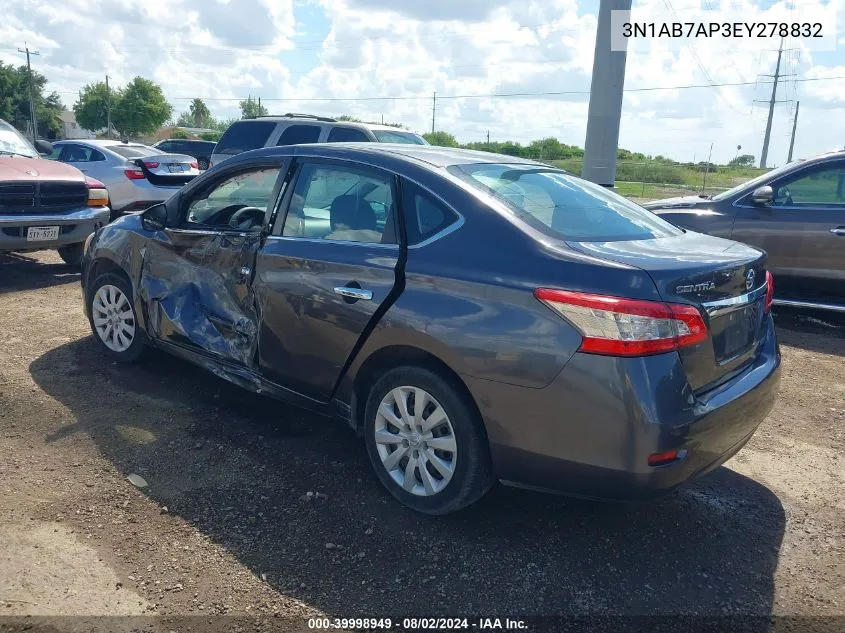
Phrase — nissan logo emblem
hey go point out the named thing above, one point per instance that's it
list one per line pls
(749, 280)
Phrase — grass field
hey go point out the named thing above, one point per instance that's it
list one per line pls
(686, 178)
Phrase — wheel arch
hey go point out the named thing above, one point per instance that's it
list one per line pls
(389, 357)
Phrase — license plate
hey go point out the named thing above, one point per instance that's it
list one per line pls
(42, 233)
(740, 328)
(176, 168)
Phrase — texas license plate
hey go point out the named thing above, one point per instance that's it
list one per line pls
(176, 168)
(42, 233)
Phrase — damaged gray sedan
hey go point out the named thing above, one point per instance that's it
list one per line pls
(474, 317)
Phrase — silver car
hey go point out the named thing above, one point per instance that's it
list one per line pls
(136, 176)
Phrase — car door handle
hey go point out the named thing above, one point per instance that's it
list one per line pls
(838, 231)
(354, 293)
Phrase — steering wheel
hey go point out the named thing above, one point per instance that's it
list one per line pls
(247, 218)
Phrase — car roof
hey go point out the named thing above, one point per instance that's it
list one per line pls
(430, 155)
(318, 120)
(101, 142)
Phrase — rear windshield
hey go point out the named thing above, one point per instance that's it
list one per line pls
(563, 206)
(244, 136)
(395, 136)
(133, 151)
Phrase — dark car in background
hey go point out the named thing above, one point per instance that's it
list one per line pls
(472, 316)
(296, 129)
(795, 213)
(201, 150)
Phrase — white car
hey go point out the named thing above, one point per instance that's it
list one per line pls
(136, 176)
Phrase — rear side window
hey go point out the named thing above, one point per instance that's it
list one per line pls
(244, 136)
(347, 135)
(297, 134)
(425, 215)
(563, 206)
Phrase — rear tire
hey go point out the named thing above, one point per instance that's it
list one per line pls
(72, 254)
(112, 316)
(435, 460)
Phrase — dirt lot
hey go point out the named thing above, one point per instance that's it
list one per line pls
(226, 525)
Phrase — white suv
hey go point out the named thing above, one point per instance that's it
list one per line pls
(295, 129)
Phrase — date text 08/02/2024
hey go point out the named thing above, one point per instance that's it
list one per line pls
(417, 624)
(721, 29)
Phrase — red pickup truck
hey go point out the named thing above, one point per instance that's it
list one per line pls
(45, 204)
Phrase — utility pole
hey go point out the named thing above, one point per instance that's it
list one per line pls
(32, 118)
(433, 110)
(108, 108)
(488, 137)
(605, 109)
(794, 125)
(707, 168)
(765, 154)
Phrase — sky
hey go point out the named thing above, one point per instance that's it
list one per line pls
(386, 58)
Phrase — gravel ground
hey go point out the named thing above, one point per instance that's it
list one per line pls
(255, 508)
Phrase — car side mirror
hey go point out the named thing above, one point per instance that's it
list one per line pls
(154, 218)
(44, 148)
(763, 196)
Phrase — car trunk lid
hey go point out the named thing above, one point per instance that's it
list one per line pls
(725, 280)
(168, 169)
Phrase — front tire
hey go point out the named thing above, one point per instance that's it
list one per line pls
(72, 254)
(112, 315)
(426, 441)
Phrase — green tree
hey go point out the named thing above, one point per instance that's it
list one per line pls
(199, 112)
(743, 160)
(251, 108)
(443, 139)
(91, 109)
(141, 109)
(177, 133)
(211, 136)
(14, 100)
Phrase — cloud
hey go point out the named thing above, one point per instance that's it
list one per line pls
(433, 10)
(403, 51)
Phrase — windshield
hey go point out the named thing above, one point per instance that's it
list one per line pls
(11, 142)
(563, 206)
(756, 182)
(395, 136)
(133, 151)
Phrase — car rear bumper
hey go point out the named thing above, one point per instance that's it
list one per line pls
(591, 431)
(74, 227)
(136, 195)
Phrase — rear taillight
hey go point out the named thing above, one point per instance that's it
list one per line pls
(770, 292)
(195, 165)
(151, 164)
(98, 196)
(134, 173)
(615, 326)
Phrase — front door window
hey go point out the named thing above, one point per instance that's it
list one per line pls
(239, 202)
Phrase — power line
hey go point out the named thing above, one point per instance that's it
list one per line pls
(497, 95)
